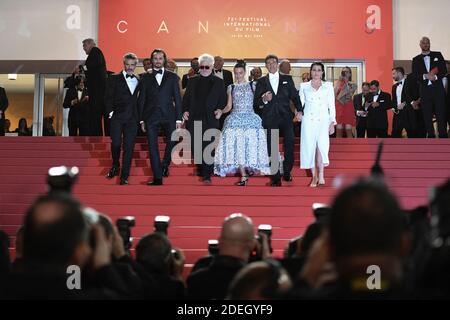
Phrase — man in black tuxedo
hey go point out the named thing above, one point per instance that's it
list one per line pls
(121, 101)
(429, 69)
(193, 72)
(203, 102)
(3, 106)
(227, 78)
(405, 117)
(361, 109)
(275, 92)
(95, 70)
(77, 100)
(160, 106)
(377, 120)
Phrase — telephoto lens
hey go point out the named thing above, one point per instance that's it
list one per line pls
(124, 226)
(162, 224)
(62, 179)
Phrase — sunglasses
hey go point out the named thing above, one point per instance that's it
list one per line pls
(204, 67)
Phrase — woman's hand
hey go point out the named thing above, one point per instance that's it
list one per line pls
(331, 129)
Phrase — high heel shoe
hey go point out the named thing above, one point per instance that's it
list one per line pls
(314, 182)
(321, 182)
(243, 182)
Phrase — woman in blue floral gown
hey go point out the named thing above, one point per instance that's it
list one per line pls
(242, 145)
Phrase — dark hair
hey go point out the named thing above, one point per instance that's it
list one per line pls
(159, 51)
(366, 219)
(106, 225)
(317, 63)
(23, 120)
(56, 240)
(347, 67)
(365, 84)
(154, 251)
(240, 64)
(399, 69)
(146, 59)
(270, 56)
(375, 83)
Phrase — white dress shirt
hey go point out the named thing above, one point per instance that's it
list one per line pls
(80, 93)
(159, 77)
(398, 92)
(427, 61)
(131, 82)
(375, 97)
(274, 79)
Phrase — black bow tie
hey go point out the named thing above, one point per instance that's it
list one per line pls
(425, 55)
(130, 76)
(218, 70)
(81, 90)
(157, 71)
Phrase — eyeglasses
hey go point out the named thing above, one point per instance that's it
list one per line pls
(204, 67)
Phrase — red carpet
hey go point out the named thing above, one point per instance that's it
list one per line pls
(196, 211)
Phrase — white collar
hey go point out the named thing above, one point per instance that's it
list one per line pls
(276, 74)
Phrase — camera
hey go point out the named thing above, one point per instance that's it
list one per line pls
(321, 212)
(161, 224)
(213, 247)
(124, 226)
(62, 179)
(267, 230)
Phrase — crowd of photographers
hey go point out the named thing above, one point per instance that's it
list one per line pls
(361, 247)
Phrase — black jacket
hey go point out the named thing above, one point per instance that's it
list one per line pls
(165, 97)
(377, 117)
(216, 99)
(436, 61)
(96, 71)
(118, 98)
(213, 282)
(280, 104)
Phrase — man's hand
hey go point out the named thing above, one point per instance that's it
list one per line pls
(74, 102)
(186, 116)
(416, 105)
(143, 127)
(401, 106)
(375, 104)
(86, 98)
(267, 97)
(218, 114)
(118, 249)
(102, 251)
(298, 116)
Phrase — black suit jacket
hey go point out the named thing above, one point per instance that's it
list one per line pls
(118, 98)
(227, 77)
(216, 99)
(359, 106)
(4, 103)
(96, 71)
(419, 68)
(280, 104)
(377, 117)
(80, 107)
(185, 80)
(165, 97)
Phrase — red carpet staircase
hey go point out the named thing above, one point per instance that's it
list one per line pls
(197, 211)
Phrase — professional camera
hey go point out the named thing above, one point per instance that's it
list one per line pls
(321, 212)
(213, 247)
(162, 224)
(62, 179)
(124, 226)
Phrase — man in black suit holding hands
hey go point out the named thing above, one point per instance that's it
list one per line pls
(429, 68)
(160, 105)
(377, 120)
(3, 106)
(77, 100)
(361, 109)
(121, 106)
(274, 92)
(203, 103)
(95, 70)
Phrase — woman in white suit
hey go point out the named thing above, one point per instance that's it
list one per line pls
(318, 121)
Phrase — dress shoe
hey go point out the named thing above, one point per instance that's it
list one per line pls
(206, 180)
(113, 172)
(275, 183)
(165, 171)
(155, 182)
(123, 181)
(287, 178)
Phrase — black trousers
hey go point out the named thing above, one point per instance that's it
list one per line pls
(376, 132)
(96, 114)
(2, 125)
(286, 128)
(78, 123)
(361, 127)
(152, 126)
(433, 102)
(205, 167)
(123, 130)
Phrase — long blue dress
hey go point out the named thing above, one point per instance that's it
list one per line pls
(243, 139)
